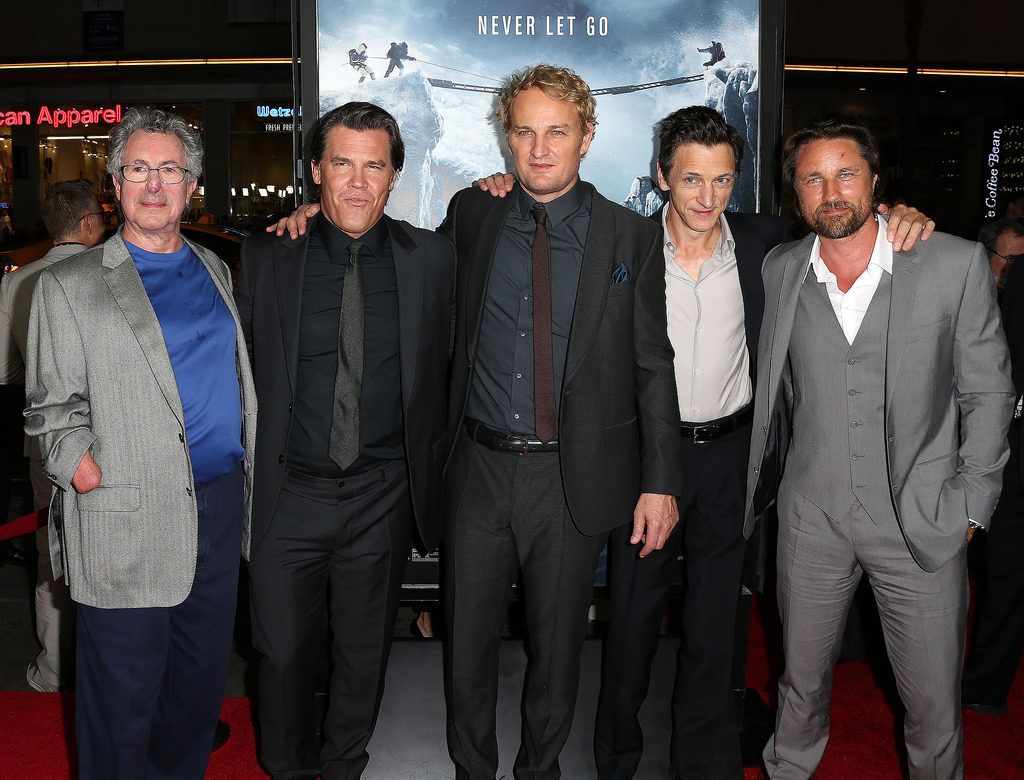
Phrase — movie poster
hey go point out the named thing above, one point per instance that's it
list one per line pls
(437, 66)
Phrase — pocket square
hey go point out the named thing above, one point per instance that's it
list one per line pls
(621, 274)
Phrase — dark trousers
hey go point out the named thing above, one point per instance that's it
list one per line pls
(508, 513)
(150, 681)
(705, 742)
(334, 553)
(999, 630)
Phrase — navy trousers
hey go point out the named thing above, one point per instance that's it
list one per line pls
(150, 681)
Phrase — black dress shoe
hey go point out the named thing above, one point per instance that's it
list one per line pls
(221, 734)
(9, 553)
(995, 710)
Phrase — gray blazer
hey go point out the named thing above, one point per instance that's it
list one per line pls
(948, 394)
(98, 376)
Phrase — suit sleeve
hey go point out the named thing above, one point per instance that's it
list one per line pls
(447, 227)
(57, 383)
(244, 294)
(1013, 323)
(657, 401)
(10, 356)
(984, 391)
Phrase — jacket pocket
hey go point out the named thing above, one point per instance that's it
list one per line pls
(938, 469)
(111, 498)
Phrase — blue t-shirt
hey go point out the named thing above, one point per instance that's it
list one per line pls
(200, 336)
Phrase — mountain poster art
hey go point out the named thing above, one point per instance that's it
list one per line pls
(438, 68)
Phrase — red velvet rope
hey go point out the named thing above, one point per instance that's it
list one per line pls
(24, 525)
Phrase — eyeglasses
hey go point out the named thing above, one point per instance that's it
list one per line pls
(91, 214)
(1011, 259)
(169, 174)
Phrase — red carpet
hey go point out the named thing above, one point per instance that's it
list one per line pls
(863, 745)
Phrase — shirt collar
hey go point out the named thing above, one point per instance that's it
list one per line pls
(336, 240)
(559, 209)
(881, 254)
(725, 239)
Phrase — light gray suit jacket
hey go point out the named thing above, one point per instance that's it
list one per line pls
(98, 376)
(948, 393)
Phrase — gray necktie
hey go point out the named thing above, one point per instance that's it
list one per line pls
(348, 380)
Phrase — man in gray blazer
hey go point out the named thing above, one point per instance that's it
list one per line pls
(139, 388)
(882, 403)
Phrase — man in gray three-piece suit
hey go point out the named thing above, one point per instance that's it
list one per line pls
(138, 385)
(882, 403)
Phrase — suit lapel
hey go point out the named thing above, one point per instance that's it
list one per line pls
(289, 267)
(793, 276)
(595, 278)
(126, 286)
(905, 266)
(410, 301)
(749, 257)
(488, 231)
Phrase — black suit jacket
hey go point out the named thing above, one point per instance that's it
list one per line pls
(1012, 309)
(269, 295)
(618, 426)
(755, 236)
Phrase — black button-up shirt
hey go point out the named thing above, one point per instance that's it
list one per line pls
(501, 395)
(380, 405)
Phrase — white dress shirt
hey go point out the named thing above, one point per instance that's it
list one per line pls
(706, 329)
(851, 306)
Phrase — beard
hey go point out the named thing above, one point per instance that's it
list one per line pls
(839, 225)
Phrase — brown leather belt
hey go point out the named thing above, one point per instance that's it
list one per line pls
(500, 441)
(702, 433)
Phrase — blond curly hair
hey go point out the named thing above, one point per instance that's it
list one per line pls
(558, 84)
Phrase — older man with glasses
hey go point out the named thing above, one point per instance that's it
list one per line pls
(138, 386)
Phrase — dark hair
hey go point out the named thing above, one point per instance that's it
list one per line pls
(696, 125)
(360, 116)
(990, 232)
(64, 206)
(829, 128)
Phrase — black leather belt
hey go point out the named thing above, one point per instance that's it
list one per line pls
(702, 433)
(499, 441)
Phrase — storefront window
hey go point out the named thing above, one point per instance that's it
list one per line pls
(261, 178)
(6, 187)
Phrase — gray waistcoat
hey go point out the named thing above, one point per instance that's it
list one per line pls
(837, 456)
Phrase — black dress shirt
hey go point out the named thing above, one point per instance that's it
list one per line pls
(501, 395)
(380, 405)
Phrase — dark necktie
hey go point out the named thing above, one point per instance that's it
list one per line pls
(543, 373)
(348, 381)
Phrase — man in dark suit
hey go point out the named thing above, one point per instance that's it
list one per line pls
(712, 263)
(564, 409)
(349, 329)
(999, 629)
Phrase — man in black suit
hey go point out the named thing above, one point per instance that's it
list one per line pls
(999, 628)
(564, 430)
(712, 264)
(349, 330)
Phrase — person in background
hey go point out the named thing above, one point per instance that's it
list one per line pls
(998, 638)
(74, 220)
